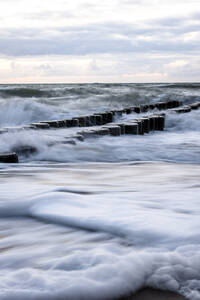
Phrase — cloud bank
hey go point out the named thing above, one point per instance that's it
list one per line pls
(90, 41)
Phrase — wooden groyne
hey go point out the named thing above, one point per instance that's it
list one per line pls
(187, 108)
(96, 119)
(134, 126)
(131, 127)
(103, 124)
(9, 158)
(103, 118)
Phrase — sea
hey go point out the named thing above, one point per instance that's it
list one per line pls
(104, 217)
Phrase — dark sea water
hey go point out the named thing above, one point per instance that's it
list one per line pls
(106, 216)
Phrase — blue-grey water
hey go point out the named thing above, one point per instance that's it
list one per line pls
(104, 217)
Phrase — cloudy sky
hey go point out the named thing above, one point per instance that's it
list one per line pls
(99, 41)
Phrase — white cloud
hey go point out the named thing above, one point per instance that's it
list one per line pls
(174, 65)
(98, 39)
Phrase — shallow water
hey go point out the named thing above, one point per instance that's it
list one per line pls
(106, 216)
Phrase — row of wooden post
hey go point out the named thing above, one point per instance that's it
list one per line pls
(96, 119)
(136, 126)
(103, 118)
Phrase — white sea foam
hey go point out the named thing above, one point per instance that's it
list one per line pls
(143, 222)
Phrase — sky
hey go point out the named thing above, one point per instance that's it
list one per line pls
(77, 41)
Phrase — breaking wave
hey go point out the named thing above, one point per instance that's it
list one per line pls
(23, 92)
(22, 104)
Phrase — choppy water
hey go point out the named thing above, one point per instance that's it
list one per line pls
(106, 216)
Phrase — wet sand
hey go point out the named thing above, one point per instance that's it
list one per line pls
(152, 294)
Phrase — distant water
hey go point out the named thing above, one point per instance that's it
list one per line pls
(106, 216)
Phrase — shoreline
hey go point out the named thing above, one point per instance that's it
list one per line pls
(153, 294)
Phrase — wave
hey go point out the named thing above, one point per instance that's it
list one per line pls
(141, 231)
(25, 111)
(24, 92)
(181, 85)
(49, 91)
(87, 90)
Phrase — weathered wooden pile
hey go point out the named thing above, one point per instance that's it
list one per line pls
(188, 108)
(135, 126)
(99, 119)
(103, 124)
(9, 158)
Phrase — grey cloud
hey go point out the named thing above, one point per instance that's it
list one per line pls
(196, 16)
(45, 67)
(161, 35)
(73, 46)
(177, 21)
(93, 66)
(80, 45)
(97, 31)
(169, 22)
(159, 27)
